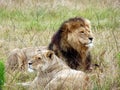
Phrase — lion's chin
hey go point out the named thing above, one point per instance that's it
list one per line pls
(30, 70)
(90, 45)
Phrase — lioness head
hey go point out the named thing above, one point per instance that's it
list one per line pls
(42, 60)
(77, 33)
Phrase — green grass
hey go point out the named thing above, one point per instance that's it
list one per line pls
(45, 18)
(2, 74)
(33, 23)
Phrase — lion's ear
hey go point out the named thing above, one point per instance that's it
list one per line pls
(69, 27)
(49, 54)
(66, 27)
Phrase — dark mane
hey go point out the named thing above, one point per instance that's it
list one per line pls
(73, 58)
(55, 40)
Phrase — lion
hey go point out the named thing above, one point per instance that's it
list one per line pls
(18, 58)
(54, 74)
(72, 43)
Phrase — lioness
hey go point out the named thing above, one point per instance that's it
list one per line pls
(18, 58)
(54, 74)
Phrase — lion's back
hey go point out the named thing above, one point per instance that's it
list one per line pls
(68, 79)
(12, 59)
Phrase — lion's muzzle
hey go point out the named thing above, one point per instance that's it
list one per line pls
(91, 39)
(30, 67)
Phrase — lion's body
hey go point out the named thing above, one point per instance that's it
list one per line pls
(54, 74)
(18, 58)
(72, 42)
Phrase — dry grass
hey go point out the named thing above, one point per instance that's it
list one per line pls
(25, 23)
(105, 54)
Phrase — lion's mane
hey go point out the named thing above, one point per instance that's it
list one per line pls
(73, 54)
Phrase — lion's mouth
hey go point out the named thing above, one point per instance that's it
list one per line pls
(30, 69)
(89, 44)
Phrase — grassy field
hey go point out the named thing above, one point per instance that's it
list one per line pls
(25, 23)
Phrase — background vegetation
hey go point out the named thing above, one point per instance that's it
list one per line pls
(2, 74)
(25, 23)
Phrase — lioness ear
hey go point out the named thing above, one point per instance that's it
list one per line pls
(49, 54)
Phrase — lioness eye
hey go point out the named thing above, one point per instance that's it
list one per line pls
(89, 31)
(39, 58)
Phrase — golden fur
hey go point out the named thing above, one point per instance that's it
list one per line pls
(72, 42)
(54, 74)
(18, 58)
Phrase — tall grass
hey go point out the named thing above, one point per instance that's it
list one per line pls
(25, 23)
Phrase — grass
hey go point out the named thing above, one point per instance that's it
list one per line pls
(25, 23)
(45, 18)
(2, 74)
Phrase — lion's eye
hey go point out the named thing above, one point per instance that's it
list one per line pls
(81, 25)
(81, 31)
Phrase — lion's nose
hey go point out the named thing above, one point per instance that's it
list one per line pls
(30, 63)
(91, 38)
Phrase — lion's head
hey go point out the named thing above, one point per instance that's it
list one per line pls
(77, 33)
(42, 61)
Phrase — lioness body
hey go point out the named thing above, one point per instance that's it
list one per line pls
(72, 42)
(54, 74)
